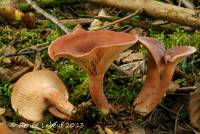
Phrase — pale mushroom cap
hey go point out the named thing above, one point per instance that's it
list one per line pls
(28, 93)
(176, 54)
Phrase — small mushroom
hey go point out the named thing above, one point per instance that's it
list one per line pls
(155, 65)
(38, 91)
(171, 57)
(94, 51)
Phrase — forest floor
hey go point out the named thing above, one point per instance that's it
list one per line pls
(171, 116)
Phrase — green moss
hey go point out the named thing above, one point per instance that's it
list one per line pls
(5, 93)
(29, 37)
(178, 38)
(75, 79)
(121, 91)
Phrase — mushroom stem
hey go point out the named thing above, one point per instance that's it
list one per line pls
(54, 111)
(166, 78)
(149, 89)
(97, 94)
(57, 99)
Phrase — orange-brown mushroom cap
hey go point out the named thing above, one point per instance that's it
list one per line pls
(155, 48)
(91, 49)
(178, 53)
(94, 51)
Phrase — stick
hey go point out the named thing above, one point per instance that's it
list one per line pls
(176, 121)
(48, 16)
(120, 20)
(25, 52)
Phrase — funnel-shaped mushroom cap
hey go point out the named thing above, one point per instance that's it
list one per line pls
(94, 51)
(155, 48)
(178, 53)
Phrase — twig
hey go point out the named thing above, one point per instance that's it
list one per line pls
(169, 110)
(20, 73)
(120, 20)
(191, 88)
(189, 126)
(48, 16)
(176, 121)
(179, 3)
(32, 51)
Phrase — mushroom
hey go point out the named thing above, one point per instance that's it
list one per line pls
(94, 51)
(171, 57)
(4, 129)
(155, 65)
(38, 91)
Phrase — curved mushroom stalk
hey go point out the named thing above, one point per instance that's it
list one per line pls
(172, 57)
(155, 64)
(38, 91)
(93, 51)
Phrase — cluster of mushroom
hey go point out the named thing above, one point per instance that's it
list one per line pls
(94, 51)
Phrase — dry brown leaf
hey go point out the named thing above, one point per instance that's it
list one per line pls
(100, 129)
(13, 66)
(20, 60)
(109, 131)
(97, 23)
(137, 67)
(10, 14)
(138, 31)
(133, 57)
(5, 74)
(194, 108)
(137, 130)
(123, 55)
(173, 86)
(2, 111)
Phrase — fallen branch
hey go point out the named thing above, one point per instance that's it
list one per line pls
(120, 20)
(159, 10)
(48, 16)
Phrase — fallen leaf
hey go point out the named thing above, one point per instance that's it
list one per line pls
(100, 129)
(194, 108)
(137, 130)
(137, 67)
(97, 23)
(133, 56)
(123, 55)
(109, 131)
(138, 31)
(174, 85)
(2, 111)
